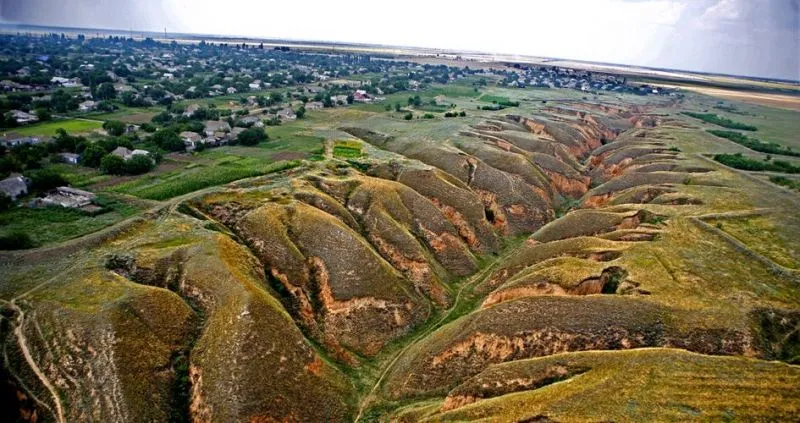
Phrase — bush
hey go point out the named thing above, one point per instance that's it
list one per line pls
(138, 165)
(46, 179)
(92, 155)
(168, 140)
(113, 165)
(737, 161)
(16, 240)
(408, 116)
(428, 116)
(5, 202)
(114, 127)
(754, 144)
(721, 121)
(252, 136)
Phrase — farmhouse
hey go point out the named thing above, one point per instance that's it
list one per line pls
(216, 126)
(13, 139)
(190, 139)
(126, 154)
(287, 114)
(314, 105)
(14, 186)
(23, 117)
(87, 106)
(190, 109)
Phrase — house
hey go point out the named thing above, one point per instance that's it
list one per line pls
(14, 186)
(230, 90)
(255, 85)
(87, 106)
(13, 139)
(252, 121)
(190, 109)
(314, 105)
(213, 126)
(190, 139)
(73, 83)
(70, 158)
(169, 76)
(59, 80)
(126, 154)
(68, 197)
(361, 96)
(131, 128)
(122, 152)
(235, 132)
(23, 117)
(287, 114)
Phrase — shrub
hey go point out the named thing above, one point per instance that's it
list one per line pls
(408, 116)
(252, 136)
(112, 164)
(46, 179)
(114, 127)
(428, 116)
(720, 121)
(737, 161)
(16, 240)
(138, 164)
(754, 144)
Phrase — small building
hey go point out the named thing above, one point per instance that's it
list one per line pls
(23, 117)
(190, 109)
(314, 105)
(14, 186)
(287, 114)
(252, 121)
(190, 139)
(122, 152)
(87, 106)
(68, 197)
(70, 158)
(213, 126)
(230, 90)
(12, 139)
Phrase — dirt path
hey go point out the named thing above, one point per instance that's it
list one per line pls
(478, 277)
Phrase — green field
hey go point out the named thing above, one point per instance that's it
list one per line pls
(49, 129)
(192, 178)
(51, 225)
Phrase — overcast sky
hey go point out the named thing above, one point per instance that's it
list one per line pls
(745, 37)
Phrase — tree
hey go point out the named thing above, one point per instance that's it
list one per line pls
(397, 107)
(167, 140)
(408, 116)
(92, 155)
(5, 202)
(138, 164)
(46, 179)
(43, 114)
(106, 91)
(112, 164)
(350, 99)
(114, 127)
(252, 136)
(301, 112)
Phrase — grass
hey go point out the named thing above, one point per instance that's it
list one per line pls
(647, 385)
(49, 129)
(754, 144)
(760, 234)
(721, 121)
(173, 184)
(51, 225)
(347, 149)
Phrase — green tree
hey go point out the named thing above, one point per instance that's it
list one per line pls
(252, 136)
(106, 91)
(45, 179)
(43, 114)
(301, 112)
(167, 140)
(138, 164)
(408, 116)
(92, 155)
(113, 165)
(114, 127)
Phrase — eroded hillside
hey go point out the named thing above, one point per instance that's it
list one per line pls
(465, 270)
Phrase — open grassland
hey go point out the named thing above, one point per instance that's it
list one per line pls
(639, 385)
(49, 129)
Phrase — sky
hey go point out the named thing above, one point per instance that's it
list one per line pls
(742, 37)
